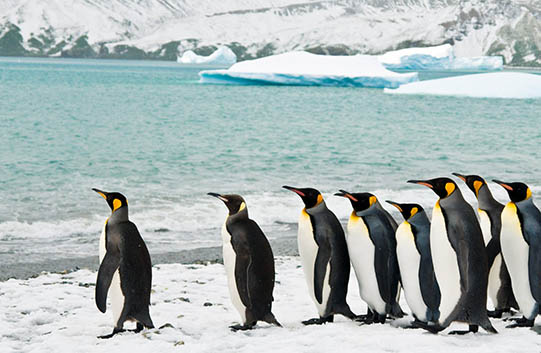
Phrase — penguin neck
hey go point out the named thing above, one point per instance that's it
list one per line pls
(317, 208)
(367, 211)
(237, 216)
(525, 204)
(485, 199)
(420, 219)
(119, 216)
(456, 196)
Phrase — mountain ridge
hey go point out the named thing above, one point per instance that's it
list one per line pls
(162, 29)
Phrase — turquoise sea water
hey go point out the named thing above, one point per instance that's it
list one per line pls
(152, 132)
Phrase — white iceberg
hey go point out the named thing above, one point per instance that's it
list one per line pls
(439, 57)
(490, 85)
(222, 56)
(306, 69)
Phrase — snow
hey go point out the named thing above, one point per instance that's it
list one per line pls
(439, 57)
(307, 69)
(56, 313)
(222, 56)
(490, 85)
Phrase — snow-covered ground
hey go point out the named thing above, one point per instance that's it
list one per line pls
(307, 69)
(489, 85)
(56, 313)
(222, 56)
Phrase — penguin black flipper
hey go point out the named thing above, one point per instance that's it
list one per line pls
(108, 266)
(382, 258)
(430, 290)
(320, 268)
(529, 217)
(493, 249)
(242, 270)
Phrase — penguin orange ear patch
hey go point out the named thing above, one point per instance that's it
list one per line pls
(116, 204)
(449, 187)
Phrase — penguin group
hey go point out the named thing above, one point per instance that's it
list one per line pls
(446, 265)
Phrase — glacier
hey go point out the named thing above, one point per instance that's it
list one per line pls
(439, 57)
(307, 69)
(223, 56)
(486, 85)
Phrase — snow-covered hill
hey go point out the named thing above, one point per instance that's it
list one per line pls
(254, 28)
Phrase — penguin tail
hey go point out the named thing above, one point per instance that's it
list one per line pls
(487, 326)
(396, 310)
(144, 318)
(269, 318)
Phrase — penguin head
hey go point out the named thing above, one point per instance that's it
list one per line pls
(517, 191)
(359, 201)
(115, 200)
(407, 210)
(474, 182)
(310, 197)
(443, 187)
(235, 203)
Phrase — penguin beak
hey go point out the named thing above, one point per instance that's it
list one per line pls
(502, 184)
(460, 176)
(102, 193)
(295, 190)
(394, 204)
(346, 194)
(218, 196)
(422, 182)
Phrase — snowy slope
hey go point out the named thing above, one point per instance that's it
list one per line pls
(255, 28)
(56, 313)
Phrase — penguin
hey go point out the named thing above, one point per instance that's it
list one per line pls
(372, 249)
(459, 257)
(249, 265)
(324, 257)
(521, 248)
(489, 211)
(125, 271)
(415, 261)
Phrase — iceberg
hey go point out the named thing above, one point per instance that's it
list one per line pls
(307, 69)
(489, 85)
(439, 57)
(222, 56)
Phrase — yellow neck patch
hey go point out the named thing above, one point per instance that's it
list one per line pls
(449, 187)
(413, 211)
(319, 199)
(477, 185)
(354, 216)
(528, 194)
(372, 200)
(116, 204)
(242, 207)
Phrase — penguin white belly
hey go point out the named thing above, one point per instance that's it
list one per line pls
(445, 264)
(229, 264)
(361, 253)
(409, 261)
(484, 221)
(494, 281)
(308, 251)
(515, 251)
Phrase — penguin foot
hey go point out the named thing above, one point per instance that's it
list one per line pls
(138, 329)
(521, 322)
(473, 329)
(415, 324)
(245, 327)
(425, 326)
(319, 321)
(497, 313)
(115, 331)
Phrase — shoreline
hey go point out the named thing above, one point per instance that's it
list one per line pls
(286, 246)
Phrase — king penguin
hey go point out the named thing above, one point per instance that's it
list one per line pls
(490, 211)
(521, 248)
(324, 257)
(415, 261)
(249, 264)
(125, 271)
(372, 249)
(459, 257)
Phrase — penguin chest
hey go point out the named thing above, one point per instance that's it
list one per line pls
(115, 294)
(308, 249)
(445, 264)
(484, 221)
(409, 261)
(362, 256)
(515, 252)
(229, 257)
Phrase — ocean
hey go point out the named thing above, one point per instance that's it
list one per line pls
(150, 131)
